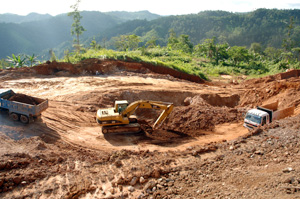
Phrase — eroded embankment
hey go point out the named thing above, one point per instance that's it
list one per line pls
(108, 66)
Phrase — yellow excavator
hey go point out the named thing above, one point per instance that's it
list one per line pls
(120, 118)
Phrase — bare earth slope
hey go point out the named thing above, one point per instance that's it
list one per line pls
(201, 151)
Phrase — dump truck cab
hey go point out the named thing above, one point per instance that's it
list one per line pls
(255, 118)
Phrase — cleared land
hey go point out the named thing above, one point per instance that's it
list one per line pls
(200, 151)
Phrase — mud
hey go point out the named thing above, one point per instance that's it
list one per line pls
(201, 150)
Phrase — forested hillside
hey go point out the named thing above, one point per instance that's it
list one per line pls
(38, 36)
(267, 27)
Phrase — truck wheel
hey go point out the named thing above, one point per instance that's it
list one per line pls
(24, 119)
(14, 116)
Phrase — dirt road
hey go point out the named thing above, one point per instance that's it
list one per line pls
(200, 151)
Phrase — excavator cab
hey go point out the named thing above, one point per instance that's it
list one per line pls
(120, 105)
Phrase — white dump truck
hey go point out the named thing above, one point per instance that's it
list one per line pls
(266, 114)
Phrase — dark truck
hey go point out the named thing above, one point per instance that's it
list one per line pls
(266, 114)
(21, 107)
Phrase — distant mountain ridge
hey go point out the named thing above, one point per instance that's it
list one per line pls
(14, 18)
(120, 15)
(35, 33)
(269, 27)
(127, 16)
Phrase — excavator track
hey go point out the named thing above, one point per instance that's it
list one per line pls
(128, 128)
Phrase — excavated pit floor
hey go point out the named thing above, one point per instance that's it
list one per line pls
(73, 102)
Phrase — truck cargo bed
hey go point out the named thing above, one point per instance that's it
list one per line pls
(280, 114)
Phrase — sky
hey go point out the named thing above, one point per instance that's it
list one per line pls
(161, 7)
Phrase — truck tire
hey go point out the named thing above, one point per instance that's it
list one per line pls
(24, 119)
(14, 116)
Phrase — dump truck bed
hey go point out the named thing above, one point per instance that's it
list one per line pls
(280, 114)
(275, 114)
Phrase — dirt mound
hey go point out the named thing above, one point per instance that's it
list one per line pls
(51, 68)
(277, 77)
(284, 87)
(218, 100)
(18, 97)
(192, 120)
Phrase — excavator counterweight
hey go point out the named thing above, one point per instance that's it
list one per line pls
(120, 118)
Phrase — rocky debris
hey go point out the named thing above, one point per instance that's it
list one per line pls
(142, 180)
(133, 181)
(287, 170)
(131, 189)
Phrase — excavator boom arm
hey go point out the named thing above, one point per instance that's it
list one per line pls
(163, 116)
(165, 106)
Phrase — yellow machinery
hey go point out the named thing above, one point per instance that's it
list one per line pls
(120, 118)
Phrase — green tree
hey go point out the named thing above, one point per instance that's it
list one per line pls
(272, 53)
(208, 47)
(121, 43)
(77, 29)
(181, 43)
(185, 44)
(94, 44)
(297, 52)
(133, 41)
(172, 40)
(256, 48)
(221, 53)
(215, 52)
(151, 43)
(200, 50)
(238, 54)
(127, 42)
(67, 56)
(287, 56)
(287, 42)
